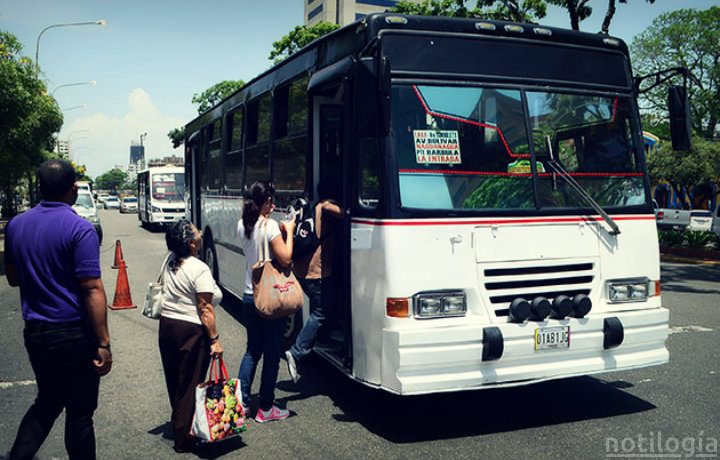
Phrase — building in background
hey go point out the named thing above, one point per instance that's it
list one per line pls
(171, 160)
(137, 153)
(344, 12)
(64, 149)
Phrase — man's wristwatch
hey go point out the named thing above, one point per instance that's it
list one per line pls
(107, 347)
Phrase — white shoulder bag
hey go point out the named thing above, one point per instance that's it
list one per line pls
(154, 294)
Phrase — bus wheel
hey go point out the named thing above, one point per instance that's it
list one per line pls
(210, 257)
(292, 329)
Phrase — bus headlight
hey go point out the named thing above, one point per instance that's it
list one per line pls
(440, 304)
(155, 209)
(629, 290)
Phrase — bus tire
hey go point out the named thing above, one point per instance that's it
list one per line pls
(210, 257)
(292, 329)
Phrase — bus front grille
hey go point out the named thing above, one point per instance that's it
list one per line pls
(503, 285)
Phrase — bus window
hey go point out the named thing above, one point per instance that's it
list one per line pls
(257, 150)
(234, 171)
(461, 148)
(215, 160)
(369, 173)
(235, 121)
(290, 153)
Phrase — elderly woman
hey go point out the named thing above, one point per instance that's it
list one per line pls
(188, 336)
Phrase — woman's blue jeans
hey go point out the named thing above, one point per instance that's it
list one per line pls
(321, 293)
(264, 339)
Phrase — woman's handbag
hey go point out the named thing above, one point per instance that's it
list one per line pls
(276, 291)
(218, 410)
(154, 296)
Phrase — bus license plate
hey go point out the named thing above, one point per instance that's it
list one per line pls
(552, 337)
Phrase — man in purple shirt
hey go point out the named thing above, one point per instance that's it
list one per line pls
(53, 255)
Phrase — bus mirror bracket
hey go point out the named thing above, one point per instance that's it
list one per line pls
(678, 104)
(372, 96)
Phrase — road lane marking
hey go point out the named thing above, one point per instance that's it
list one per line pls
(679, 329)
(6, 385)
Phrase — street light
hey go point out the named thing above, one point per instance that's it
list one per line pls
(99, 22)
(91, 82)
(142, 136)
(84, 106)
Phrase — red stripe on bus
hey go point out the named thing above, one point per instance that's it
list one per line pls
(493, 173)
(554, 220)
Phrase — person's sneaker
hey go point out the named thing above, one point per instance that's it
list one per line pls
(275, 413)
(292, 366)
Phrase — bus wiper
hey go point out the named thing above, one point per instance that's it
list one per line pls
(557, 167)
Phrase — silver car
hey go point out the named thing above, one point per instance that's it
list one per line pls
(128, 204)
(85, 207)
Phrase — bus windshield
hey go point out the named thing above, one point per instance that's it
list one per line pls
(469, 148)
(168, 186)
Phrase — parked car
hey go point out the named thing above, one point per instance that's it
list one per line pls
(85, 207)
(716, 221)
(101, 199)
(111, 202)
(670, 218)
(700, 220)
(128, 204)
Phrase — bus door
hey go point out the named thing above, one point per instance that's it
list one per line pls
(329, 168)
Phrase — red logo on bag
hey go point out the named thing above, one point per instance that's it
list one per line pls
(283, 287)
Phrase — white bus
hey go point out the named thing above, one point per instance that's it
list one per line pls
(161, 195)
(499, 224)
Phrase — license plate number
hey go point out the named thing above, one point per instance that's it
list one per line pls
(548, 338)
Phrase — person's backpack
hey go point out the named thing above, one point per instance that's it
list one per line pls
(306, 240)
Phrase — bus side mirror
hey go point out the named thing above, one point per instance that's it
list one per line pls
(679, 109)
(372, 97)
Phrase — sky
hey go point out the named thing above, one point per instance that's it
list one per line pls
(153, 55)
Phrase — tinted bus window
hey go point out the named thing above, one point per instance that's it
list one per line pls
(234, 171)
(289, 164)
(257, 163)
(236, 129)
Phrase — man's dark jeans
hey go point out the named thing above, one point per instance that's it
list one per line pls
(61, 356)
(321, 293)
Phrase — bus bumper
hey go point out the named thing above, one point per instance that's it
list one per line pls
(438, 359)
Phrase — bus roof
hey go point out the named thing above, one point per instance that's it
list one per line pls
(355, 37)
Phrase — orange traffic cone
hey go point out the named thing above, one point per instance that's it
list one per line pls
(122, 298)
(118, 255)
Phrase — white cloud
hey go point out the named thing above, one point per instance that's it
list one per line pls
(106, 140)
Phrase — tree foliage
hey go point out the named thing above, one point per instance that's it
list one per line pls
(686, 38)
(298, 38)
(111, 180)
(685, 170)
(507, 10)
(177, 137)
(215, 94)
(28, 119)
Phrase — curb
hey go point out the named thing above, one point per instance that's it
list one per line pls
(687, 260)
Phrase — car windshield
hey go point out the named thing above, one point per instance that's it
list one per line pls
(469, 148)
(168, 186)
(130, 200)
(111, 199)
(84, 200)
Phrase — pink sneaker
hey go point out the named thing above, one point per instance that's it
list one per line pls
(275, 413)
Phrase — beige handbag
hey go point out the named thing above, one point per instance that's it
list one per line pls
(154, 295)
(276, 291)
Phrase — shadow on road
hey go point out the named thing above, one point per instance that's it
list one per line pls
(410, 419)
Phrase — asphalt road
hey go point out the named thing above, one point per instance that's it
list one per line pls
(655, 409)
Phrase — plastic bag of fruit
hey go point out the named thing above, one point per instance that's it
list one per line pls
(218, 412)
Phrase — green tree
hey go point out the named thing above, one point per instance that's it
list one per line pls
(685, 170)
(684, 38)
(579, 10)
(177, 137)
(507, 10)
(28, 119)
(111, 180)
(297, 38)
(216, 93)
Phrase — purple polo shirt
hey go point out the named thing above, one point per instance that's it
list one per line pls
(51, 247)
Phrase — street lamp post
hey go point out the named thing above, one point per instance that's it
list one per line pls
(83, 106)
(91, 82)
(99, 22)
